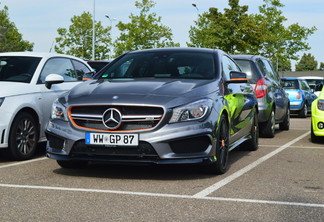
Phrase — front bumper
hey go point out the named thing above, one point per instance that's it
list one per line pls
(178, 143)
(318, 120)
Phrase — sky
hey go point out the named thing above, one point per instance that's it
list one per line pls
(38, 20)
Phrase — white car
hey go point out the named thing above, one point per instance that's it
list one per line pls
(313, 81)
(28, 88)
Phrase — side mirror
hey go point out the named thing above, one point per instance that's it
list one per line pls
(319, 87)
(88, 75)
(53, 79)
(238, 77)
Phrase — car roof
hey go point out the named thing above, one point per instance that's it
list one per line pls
(289, 78)
(177, 49)
(311, 77)
(38, 54)
(247, 57)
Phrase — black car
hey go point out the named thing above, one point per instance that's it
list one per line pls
(162, 106)
(273, 102)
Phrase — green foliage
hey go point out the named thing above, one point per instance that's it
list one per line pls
(77, 40)
(144, 31)
(236, 31)
(233, 31)
(306, 63)
(10, 39)
(321, 66)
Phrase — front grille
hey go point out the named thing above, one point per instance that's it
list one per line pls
(131, 117)
(143, 151)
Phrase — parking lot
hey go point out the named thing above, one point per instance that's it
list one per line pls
(282, 181)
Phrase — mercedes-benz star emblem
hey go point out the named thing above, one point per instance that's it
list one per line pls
(112, 118)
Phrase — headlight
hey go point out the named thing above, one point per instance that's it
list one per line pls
(320, 104)
(193, 111)
(59, 111)
(1, 100)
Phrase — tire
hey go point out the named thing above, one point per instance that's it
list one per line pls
(303, 112)
(72, 164)
(23, 137)
(253, 143)
(286, 123)
(267, 129)
(314, 138)
(222, 148)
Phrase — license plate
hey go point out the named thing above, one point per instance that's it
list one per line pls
(112, 139)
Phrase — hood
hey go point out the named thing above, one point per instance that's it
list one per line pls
(143, 91)
(15, 89)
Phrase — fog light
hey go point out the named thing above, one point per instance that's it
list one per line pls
(320, 125)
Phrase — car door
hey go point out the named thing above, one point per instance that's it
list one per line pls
(71, 70)
(238, 102)
(280, 97)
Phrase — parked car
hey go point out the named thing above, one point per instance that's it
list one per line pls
(273, 102)
(97, 65)
(162, 106)
(300, 95)
(28, 83)
(313, 81)
(317, 125)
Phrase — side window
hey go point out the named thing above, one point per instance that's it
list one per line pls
(80, 69)
(304, 86)
(262, 67)
(60, 66)
(228, 66)
(271, 72)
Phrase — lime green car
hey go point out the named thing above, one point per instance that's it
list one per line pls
(317, 128)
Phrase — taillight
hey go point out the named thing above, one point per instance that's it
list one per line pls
(261, 88)
(298, 96)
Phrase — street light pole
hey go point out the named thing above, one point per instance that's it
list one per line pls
(194, 5)
(111, 20)
(93, 30)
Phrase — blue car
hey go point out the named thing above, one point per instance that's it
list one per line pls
(300, 95)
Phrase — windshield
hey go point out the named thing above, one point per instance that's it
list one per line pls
(186, 65)
(18, 69)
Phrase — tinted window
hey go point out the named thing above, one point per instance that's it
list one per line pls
(80, 69)
(304, 85)
(290, 84)
(60, 66)
(18, 69)
(228, 66)
(187, 65)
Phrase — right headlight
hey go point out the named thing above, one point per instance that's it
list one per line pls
(59, 111)
(320, 104)
(193, 111)
(1, 100)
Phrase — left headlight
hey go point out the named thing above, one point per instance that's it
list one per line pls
(320, 104)
(1, 100)
(193, 111)
(59, 111)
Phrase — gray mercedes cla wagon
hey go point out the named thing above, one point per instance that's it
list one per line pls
(162, 106)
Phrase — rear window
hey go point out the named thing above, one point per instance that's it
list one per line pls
(164, 64)
(247, 67)
(18, 68)
(290, 84)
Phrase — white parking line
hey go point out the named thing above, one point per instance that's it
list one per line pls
(246, 169)
(163, 195)
(23, 162)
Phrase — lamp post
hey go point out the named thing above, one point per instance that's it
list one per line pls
(93, 30)
(111, 20)
(194, 5)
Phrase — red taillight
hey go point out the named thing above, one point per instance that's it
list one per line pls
(298, 96)
(261, 88)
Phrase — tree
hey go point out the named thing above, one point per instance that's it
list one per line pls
(306, 63)
(77, 40)
(10, 39)
(321, 66)
(280, 43)
(233, 31)
(144, 31)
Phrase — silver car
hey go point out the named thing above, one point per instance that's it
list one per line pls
(163, 106)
